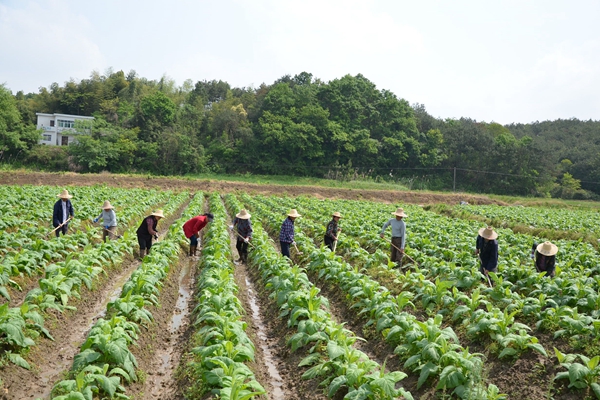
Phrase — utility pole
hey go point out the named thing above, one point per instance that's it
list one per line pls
(454, 184)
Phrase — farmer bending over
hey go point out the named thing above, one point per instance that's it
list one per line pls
(544, 256)
(192, 229)
(147, 230)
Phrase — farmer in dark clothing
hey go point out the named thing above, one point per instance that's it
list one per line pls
(286, 235)
(147, 230)
(62, 210)
(192, 229)
(331, 233)
(244, 233)
(486, 248)
(544, 256)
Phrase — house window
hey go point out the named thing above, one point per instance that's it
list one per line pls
(66, 124)
(46, 138)
(52, 123)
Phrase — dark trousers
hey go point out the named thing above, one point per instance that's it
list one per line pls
(62, 229)
(285, 249)
(242, 248)
(145, 242)
(396, 256)
(329, 242)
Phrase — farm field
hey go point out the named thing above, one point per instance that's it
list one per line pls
(83, 319)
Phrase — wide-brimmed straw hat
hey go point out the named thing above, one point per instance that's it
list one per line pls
(158, 213)
(400, 213)
(488, 233)
(64, 194)
(293, 213)
(243, 214)
(336, 214)
(547, 248)
(107, 205)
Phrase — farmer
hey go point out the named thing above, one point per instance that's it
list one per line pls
(286, 235)
(331, 233)
(192, 229)
(398, 235)
(244, 233)
(109, 220)
(62, 210)
(544, 256)
(486, 247)
(147, 230)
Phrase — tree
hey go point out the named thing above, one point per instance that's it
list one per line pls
(15, 137)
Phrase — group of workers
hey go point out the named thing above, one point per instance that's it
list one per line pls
(486, 244)
(486, 247)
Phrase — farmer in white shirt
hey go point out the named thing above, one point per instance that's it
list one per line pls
(398, 235)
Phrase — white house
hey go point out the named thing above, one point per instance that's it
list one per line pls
(59, 129)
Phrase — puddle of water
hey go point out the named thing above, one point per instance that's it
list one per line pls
(184, 297)
(276, 380)
(164, 370)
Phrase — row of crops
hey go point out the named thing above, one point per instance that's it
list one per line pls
(445, 325)
(446, 287)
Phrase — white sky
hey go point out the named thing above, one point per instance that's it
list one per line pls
(490, 60)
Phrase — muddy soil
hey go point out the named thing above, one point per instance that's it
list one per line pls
(163, 183)
(51, 359)
(265, 365)
(161, 345)
(286, 361)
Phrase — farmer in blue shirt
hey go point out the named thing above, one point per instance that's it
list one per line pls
(486, 247)
(286, 235)
(398, 235)
(109, 220)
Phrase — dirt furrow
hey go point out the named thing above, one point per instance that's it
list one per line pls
(50, 359)
(162, 346)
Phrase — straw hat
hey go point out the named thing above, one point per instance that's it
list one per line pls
(106, 205)
(243, 214)
(158, 213)
(488, 233)
(293, 213)
(64, 194)
(400, 213)
(547, 249)
(336, 214)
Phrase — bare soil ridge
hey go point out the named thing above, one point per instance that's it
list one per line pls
(173, 183)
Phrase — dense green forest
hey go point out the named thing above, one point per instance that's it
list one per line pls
(343, 129)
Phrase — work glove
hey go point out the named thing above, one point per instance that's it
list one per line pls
(294, 243)
(106, 227)
(231, 227)
(95, 220)
(155, 236)
(246, 240)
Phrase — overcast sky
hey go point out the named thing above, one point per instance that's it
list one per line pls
(502, 61)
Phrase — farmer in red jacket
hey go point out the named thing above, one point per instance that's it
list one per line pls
(192, 229)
